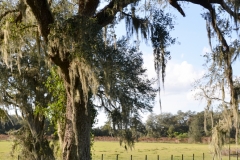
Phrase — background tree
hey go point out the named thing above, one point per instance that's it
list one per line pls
(168, 125)
(22, 90)
(158, 125)
(215, 85)
(8, 123)
(196, 128)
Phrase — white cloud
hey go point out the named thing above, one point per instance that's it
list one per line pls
(177, 93)
(149, 65)
(180, 76)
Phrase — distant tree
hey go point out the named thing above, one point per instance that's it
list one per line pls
(9, 122)
(158, 125)
(167, 124)
(105, 130)
(171, 131)
(196, 128)
(182, 121)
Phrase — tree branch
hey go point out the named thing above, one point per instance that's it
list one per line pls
(2, 16)
(107, 14)
(207, 4)
(6, 13)
(87, 8)
(212, 98)
(43, 15)
(177, 6)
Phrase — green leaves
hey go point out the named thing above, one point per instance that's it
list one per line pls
(56, 110)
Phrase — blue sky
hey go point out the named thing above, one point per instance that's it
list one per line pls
(186, 64)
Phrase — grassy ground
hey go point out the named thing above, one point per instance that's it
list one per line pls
(5, 148)
(152, 150)
(165, 151)
(109, 150)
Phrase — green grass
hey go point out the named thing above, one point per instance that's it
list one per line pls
(5, 148)
(152, 150)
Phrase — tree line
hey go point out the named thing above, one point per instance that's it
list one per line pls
(181, 125)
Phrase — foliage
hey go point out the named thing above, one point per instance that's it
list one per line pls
(124, 89)
(24, 142)
(56, 110)
(180, 135)
(196, 130)
(166, 124)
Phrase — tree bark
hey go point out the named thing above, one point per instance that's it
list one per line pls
(76, 145)
(233, 94)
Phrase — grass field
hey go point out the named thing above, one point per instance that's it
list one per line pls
(5, 148)
(152, 150)
(109, 150)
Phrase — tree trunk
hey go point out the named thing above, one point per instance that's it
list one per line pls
(40, 148)
(78, 121)
(37, 135)
(233, 94)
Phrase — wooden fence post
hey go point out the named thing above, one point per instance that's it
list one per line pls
(182, 156)
(102, 156)
(229, 151)
(146, 157)
(18, 157)
(131, 157)
(157, 157)
(171, 157)
(193, 156)
(117, 157)
(203, 156)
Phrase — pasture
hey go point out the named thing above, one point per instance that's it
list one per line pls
(109, 150)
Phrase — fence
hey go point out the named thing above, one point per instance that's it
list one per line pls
(171, 158)
(202, 157)
(157, 157)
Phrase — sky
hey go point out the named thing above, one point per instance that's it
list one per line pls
(185, 65)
